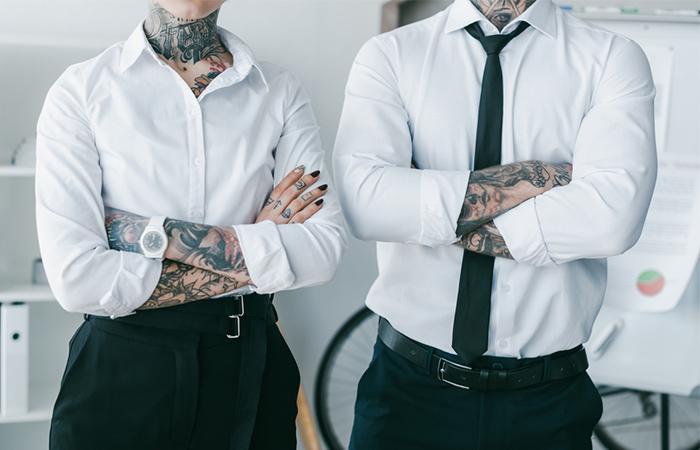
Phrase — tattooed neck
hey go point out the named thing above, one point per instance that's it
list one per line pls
(502, 12)
(183, 40)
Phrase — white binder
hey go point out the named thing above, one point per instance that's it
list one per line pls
(14, 358)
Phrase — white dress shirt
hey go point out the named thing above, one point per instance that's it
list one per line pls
(573, 93)
(123, 130)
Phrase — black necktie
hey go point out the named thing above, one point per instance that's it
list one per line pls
(471, 326)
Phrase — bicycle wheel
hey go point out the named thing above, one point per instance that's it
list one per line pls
(632, 421)
(342, 365)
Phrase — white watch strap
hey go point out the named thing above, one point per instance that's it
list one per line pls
(156, 222)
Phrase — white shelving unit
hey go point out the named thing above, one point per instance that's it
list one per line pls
(14, 171)
(41, 398)
(23, 292)
(41, 393)
(49, 326)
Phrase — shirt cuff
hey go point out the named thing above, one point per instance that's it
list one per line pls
(265, 257)
(520, 228)
(442, 197)
(134, 284)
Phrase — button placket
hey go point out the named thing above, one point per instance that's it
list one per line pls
(197, 163)
(199, 168)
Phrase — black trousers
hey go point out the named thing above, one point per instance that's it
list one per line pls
(401, 406)
(136, 387)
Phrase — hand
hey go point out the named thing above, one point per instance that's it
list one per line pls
(539, 176)
(290, 203)
(561, 174)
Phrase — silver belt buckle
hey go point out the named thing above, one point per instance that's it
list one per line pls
(235, 321)
(441, 372)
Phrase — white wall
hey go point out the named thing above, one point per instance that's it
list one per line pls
(317, 39)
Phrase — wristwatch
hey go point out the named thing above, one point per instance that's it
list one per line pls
(154, 240)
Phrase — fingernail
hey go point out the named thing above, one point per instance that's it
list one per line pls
(299, 169)
(319, 202)
(315, 173)
(323, 188)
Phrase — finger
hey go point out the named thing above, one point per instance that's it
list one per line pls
(298, 188)
(306, 198)
(289, 180)
(308, 212)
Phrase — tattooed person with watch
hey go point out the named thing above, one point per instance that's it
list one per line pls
(180, 183)
(498, 152)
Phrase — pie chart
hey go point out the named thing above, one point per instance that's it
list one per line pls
(650, 282)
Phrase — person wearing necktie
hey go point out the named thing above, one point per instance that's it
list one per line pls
(485, 299)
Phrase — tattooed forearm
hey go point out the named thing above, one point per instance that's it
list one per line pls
(486, 240)
(124, 230)
(180, 283)
(502, 12)
(495, 190)
(212, 248)
(208, 247)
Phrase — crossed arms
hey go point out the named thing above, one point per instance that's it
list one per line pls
(91, 272)
(495, 190)
(203, 261)
(533, 212)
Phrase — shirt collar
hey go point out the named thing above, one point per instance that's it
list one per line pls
(243, 57)
(540, 16)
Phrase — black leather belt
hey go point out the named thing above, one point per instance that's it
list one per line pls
(557, 366)
(214, 316)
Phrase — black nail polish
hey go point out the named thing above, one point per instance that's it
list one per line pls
(319, 202)
(316, 173)
(323, 188)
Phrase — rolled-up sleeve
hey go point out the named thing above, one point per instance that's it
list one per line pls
(84, 274)
(602, 211)
(292, 256)
(384, 199)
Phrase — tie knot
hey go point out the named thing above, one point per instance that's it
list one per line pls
(494, 44)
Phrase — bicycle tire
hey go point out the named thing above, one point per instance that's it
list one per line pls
(606, 438)
(322, 378)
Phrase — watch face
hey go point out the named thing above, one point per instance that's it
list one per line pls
(153, 241)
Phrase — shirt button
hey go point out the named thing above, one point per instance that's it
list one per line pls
(503, 343)
(506, 288)
(198, 162)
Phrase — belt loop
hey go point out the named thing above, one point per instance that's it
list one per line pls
(484, 378)
(428, 360)
(546, 368)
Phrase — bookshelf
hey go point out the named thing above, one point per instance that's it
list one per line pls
(41, 398)
(13, 171)
(24, 292)
(50, 327)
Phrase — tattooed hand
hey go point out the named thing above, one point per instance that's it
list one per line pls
(290, 202)
(486, 240)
